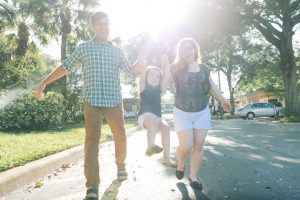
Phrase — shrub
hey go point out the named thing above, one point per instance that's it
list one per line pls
(27, 113)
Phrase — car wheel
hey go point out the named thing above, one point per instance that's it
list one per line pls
(250, 115)
(279, 113)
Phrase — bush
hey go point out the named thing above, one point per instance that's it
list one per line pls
(27, 113)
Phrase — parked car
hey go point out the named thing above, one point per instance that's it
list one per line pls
(129, 114)
(259, 110)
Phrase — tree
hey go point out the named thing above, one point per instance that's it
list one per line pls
(276, 20)
(20, 56)
(62, 17)
(7, 14)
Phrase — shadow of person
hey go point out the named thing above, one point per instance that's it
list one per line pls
(200, 195)
(182, 188)
(185, 193)
(112, 191)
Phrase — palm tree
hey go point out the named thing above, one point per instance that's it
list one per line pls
(60, 17)
(6, 14)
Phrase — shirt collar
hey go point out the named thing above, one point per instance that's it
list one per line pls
(101, 44)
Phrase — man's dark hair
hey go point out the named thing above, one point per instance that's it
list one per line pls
(96, 16)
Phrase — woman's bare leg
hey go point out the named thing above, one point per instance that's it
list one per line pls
(185, 139)
(197, 152)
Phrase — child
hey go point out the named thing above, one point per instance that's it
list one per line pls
(149, 115)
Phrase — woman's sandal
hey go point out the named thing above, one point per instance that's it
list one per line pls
(122, 174)
(195, 184)
(91, 194)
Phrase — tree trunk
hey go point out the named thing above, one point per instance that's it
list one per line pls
(289, 72)
(231, 92)
(65, 18)
(63, 80)
(23, 37)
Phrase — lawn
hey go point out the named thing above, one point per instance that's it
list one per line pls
(20, 148)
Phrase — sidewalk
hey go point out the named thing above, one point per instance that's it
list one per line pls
(148, 178)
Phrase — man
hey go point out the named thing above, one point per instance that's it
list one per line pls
(100, 61)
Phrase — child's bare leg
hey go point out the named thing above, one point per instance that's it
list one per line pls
(151, 124)
(165, 139)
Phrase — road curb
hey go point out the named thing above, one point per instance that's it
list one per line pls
(22, 175)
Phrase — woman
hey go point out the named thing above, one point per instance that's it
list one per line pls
(192, 84)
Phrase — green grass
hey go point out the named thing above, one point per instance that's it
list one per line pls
(291, 118)
(20, 148)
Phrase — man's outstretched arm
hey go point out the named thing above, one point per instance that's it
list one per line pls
(57, 73)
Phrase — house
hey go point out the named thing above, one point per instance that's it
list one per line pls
(131, 105)
(258, 96)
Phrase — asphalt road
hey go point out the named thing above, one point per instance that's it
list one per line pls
(244, 159)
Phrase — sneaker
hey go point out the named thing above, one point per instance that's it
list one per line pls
(168, 162)
(153, 150)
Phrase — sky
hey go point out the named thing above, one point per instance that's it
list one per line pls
(130, 17)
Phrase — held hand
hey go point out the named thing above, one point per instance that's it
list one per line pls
(164, 60)
(165, 63)
(226, 106)
(143, 51)
(39, 91)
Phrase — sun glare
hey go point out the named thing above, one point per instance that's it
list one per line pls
(130, 17)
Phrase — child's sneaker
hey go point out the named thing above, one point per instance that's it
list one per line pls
(152, 150)
(168, 162)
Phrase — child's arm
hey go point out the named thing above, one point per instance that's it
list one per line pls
(217, 94)
(140, 62)
(142, 68)
(167, 78)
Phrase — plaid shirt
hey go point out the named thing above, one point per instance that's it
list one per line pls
(101, 72)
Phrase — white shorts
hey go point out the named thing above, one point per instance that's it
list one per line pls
(143, 116)
(191, 120)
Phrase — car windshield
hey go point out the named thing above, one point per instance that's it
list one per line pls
(248, 106)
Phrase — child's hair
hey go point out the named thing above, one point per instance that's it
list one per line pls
(96, 16)
(179, 49)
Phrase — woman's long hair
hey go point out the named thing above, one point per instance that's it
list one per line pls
(179, 66)
(178, 61)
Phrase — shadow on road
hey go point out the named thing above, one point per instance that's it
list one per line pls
(251, 160)
(185, 194)
(112, 191)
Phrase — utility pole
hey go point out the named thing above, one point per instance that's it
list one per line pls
(220, 110)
